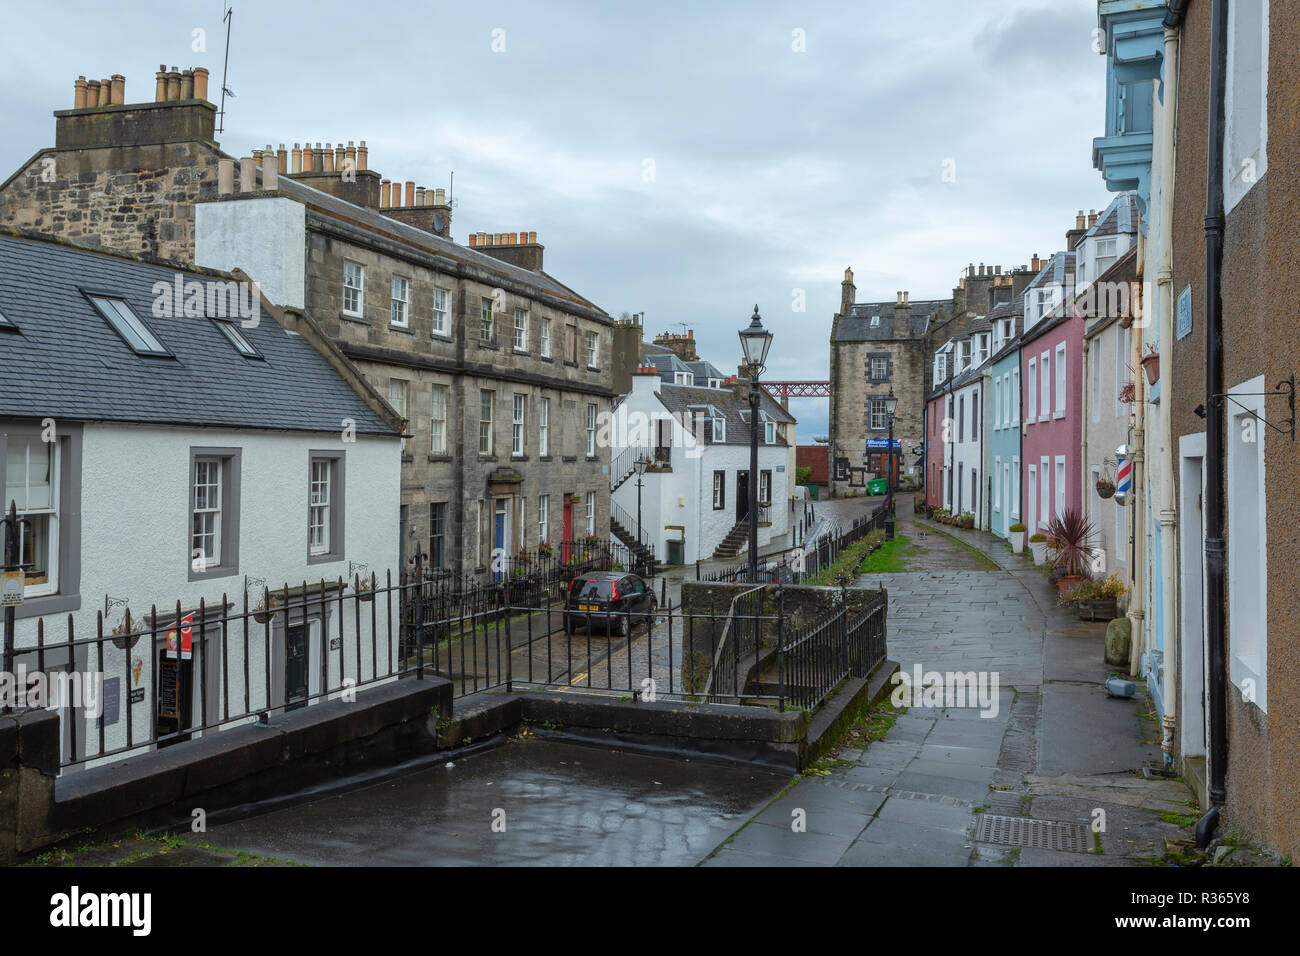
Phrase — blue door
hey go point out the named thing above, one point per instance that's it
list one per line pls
(499, 552)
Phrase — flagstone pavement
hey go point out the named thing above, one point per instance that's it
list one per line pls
(1054, 749)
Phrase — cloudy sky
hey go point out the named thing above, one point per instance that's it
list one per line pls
(675, 158)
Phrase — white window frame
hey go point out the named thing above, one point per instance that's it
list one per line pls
(1015, 488)
(318, 507)
(1015, 395)
(1044, 386)
(544, 428)
(438, 396)
(593, 350)
(997, 483)
(1058, 409)
(520, 340)
(1248, 585)
(883, 365)
(1044, 491)
(879, 417)
(1059, 479)
(591, 513)
(546, 338)
(719, 484)
(518, 415)
(442, 299)
(399, 313)
(1032, 391)
(357, 288)
(210, 559)
(769, 432)
(51, 583)
(486, 399)
(543, 518)
(591, 430)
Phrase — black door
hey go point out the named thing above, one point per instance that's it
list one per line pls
(742, 495)
(295, 667)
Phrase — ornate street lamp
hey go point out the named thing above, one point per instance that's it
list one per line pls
(754, 343)
(891, 406)
(640, 466)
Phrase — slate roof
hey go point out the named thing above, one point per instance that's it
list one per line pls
(375, 220)
(856, 325)
(1121, 216)
(678, 399)
(1058, 270)
(65, 361)
(666, 363)
(704, 370)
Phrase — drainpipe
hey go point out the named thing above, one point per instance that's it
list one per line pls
(1137, 606)
(1165, 279)
(1216, 558)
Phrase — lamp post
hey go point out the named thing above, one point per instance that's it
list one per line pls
(640, 466)
(754, 343)
(891, 406)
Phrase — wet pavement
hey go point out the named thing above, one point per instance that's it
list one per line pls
(1053, 749)
(530, 802)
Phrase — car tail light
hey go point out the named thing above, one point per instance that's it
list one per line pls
(615, 590)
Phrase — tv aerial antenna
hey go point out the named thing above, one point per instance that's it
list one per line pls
(225, 69)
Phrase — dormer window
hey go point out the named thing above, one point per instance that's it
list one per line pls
(719, 427)
(875, 321)
(1106, 254)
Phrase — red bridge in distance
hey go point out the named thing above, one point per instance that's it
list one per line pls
(797, 389)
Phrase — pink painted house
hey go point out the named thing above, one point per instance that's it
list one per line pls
(1051, 373)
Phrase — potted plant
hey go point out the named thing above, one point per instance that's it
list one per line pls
(1105, 487)
(1016, 535)
(1038, 547)
(1096, 600)
(1072, 554)
(1151, 364)
(1127, 394)
(968, 520)
(544, 549)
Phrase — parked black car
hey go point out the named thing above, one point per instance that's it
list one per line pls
(607, 598)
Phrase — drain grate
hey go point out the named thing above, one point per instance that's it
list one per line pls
(1022, 831)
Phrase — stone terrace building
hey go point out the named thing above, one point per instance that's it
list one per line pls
(501, 371)
(879, 346)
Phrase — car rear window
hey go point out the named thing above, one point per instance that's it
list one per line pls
(590, 588)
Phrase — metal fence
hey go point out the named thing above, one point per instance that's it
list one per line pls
(741, 651)
(798, 564)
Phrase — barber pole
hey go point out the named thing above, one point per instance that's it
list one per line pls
(1124, 477)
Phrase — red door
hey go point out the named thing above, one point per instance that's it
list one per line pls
(568, 530)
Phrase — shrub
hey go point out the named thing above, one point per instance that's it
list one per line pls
(1036, 538)
(1017, 527)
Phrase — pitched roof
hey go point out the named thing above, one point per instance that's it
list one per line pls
(375, 221)
(680, 400)
(66, 361)
(704, 370)
(856, 325)
(1121, 216)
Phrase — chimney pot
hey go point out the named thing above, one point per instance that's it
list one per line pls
(385, 194)
(187, 85)
(247, 174)
(350, 155)
(410, 192)
(363, 155)
(327, 157)
(297, 158)
(117, 92)
(79, 93)
(282, 159)
(105, 91)
(173, 85)
(200, 82)
(225, 177)
(270, 172)
(473, 239)
(419, 195)
(340, 157)
(532, 237)
(440, 197)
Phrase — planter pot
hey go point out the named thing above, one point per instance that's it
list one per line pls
(1039, 550)
(1098, 609)
(1105, 489)
(1126, 322)
(1067, 581)
(1017, 539)
(1151, 366)
(968, 523)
